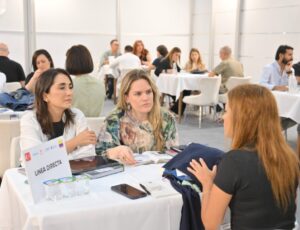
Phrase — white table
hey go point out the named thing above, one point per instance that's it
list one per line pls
(101, 209)
(174, 84)
(288, 105)
(8, 114)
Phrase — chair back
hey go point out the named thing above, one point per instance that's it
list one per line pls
(209, 88)
(15, 152)
(12, 86)
(94, 123)
(2, 82)
(235, 81)
(9, 130)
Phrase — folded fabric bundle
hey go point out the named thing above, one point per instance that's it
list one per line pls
(19, 100)
(191, 209)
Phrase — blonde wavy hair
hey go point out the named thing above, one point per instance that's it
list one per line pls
(154, 117)
(256, 123)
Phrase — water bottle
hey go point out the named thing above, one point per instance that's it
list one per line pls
(293, 84)
(174, 68)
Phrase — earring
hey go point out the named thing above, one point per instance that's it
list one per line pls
(128, 106)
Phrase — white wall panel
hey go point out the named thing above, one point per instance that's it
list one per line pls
(256, 4)
(201, 23)
(225, 23)
(12, 18)
(155, 16)
(271, 20)
(12, 29)
(202, 28)
(265, 45)
(224, 5)
(92, 16)
(202, 6)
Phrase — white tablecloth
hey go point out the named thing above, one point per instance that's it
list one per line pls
(101, 209)
(8, 114)
(288, 105)
(174, 84)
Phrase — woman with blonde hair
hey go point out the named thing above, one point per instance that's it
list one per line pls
(195, 62)
(138, 123)
(258, 178)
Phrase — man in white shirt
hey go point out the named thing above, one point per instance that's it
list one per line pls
(126, 61)
(275, 75)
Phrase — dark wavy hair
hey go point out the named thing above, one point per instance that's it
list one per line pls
(42, 86)
(282, 50)
(38, 53)
(162, 50)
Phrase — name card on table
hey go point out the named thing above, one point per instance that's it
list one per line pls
(44, 162)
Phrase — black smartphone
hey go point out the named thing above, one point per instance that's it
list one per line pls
(128, 191)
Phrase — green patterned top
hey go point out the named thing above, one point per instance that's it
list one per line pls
(120, 128)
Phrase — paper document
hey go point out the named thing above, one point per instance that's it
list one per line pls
(151, 157)
(159, 188)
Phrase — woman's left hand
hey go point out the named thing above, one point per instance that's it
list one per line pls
(202, 172)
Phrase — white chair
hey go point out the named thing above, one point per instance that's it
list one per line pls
(2, 82)
(94, 123)
(15, 152)
(9, 129)
(209, 88)
(12, 86)
(231, 83)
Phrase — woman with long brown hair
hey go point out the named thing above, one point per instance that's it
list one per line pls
(258, 178)
(138, 123)
(53, 116)
(143, 54)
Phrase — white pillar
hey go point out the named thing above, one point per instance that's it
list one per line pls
(29, 32)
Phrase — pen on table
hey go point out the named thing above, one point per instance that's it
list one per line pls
(145, 189)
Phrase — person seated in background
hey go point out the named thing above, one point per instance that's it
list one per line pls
(12, 70)
(89, 92)
(161, 52)
(258, 177)
(138, 123)
(53, 117)
(229, 67)
(41, 61)
(168, 63)
(296, 68)
(126, 61)
(275, 76)
(109, 78)
(142, 53)
(195, 63)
